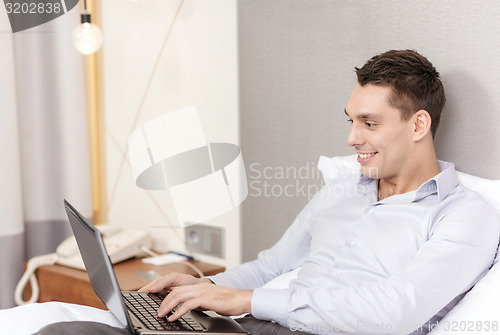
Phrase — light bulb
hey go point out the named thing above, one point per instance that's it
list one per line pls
(87, 37)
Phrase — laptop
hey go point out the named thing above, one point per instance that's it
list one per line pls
(135, 310)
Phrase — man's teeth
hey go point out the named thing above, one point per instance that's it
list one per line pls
(364, 156)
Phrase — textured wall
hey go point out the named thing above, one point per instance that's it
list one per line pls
(296, 61)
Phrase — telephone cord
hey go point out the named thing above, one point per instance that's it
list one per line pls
(31, 267)
(195, 269)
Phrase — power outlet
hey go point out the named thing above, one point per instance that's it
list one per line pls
(205, 239)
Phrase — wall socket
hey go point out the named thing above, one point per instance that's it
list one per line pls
(204, 239)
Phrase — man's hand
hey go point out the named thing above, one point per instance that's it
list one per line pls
(166, 283)
(195, 293)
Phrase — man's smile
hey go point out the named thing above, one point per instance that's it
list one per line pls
(364, 158)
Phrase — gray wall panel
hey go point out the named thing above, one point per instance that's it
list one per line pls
(296, 73)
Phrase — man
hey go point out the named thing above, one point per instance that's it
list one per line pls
(393, 253)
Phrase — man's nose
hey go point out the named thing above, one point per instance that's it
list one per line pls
(354, 137)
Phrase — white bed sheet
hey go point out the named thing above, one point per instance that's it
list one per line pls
(29, 319)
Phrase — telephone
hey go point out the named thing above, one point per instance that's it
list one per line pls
(121, 244)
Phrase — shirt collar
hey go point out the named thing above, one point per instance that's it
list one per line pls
(441, 184)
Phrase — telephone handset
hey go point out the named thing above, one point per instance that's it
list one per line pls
(121, 244)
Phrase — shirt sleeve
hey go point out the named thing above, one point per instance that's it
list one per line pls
(456, 256)
(287, 254)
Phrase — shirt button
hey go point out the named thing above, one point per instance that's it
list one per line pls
(352, 243)
(338, 272)
(371, 211)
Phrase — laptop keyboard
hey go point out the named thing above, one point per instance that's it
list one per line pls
(145, 306)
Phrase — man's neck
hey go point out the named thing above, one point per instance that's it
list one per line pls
(410, 180)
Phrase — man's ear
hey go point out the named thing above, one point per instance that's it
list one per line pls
(422, 124)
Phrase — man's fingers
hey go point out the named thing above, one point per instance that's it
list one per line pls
(177, 296)
(166, 307)
(155, 286)
(145, 288)
(183, 309)
(168, 281)
(223, 300)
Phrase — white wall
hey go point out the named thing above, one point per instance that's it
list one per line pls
(198, 66)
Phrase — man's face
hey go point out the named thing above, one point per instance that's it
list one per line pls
(382, 140)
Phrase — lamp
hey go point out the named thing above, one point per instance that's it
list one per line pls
(87, 37)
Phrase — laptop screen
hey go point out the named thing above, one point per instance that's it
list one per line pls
(97, 263)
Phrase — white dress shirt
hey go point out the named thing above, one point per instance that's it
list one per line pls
(394, 266)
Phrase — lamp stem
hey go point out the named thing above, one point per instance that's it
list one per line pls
(95, 127)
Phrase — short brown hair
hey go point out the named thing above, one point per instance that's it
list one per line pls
(414, 81)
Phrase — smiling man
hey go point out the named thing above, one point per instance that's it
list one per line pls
(394, 118)
(393, 253)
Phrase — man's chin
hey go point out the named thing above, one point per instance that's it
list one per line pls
(370, 172)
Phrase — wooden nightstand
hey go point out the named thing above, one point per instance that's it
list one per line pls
(60, 283)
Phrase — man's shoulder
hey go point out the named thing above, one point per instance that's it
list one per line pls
(465, 216)
(467, 194)
(465, 201)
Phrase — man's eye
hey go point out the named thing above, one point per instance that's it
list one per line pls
(350, 121)
(369, 124)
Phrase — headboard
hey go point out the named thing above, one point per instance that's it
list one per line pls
(297, 63)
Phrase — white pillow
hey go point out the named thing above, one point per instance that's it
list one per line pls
(337, 167)
(478, 312)
(489, 189)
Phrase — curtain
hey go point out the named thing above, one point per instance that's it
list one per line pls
(43, 143)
